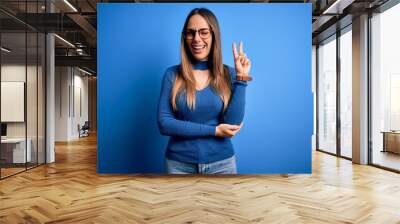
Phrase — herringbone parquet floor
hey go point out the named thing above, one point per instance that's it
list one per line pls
(70, 191)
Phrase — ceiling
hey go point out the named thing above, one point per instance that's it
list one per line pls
(76, 22)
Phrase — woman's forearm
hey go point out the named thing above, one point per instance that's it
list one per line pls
(168, 124)
(234, 113)
(171, 126)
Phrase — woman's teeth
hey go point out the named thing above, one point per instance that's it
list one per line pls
(198, 49)
(199, 46)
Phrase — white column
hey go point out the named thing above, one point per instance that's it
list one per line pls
(50, 93)
(50, 100)
(360, 90)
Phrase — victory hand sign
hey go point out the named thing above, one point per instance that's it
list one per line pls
(242, 63)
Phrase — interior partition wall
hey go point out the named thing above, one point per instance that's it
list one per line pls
(334, 98)
(22, 88)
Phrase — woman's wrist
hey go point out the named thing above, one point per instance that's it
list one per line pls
(242, 74)
(217, 131)
(243, 77)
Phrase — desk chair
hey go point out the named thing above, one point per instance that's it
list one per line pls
(84, 130)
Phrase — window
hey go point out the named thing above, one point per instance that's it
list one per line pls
(327, 95)
(385, 88)
(346, 92)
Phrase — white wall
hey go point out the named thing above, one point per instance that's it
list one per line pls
(70, 83)
(33, 126)
(9, 73)
(62, 81)
(12, 73)
(81, 103)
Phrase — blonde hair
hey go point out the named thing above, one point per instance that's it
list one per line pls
(220, 79)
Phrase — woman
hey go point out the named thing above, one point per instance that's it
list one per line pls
(202, 100)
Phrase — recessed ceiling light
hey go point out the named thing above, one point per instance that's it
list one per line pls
(5, 50)
(64, 40)
(337, 7)
(70, 5)
(84, 71)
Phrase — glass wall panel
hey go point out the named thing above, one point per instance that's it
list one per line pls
(14, 153)
(346, 92)
(32, 86)
(41, 97)
(385, 87)
(32, 95)
(22, 88)
(327, 95)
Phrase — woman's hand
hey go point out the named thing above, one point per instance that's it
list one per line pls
(242, 63)
(227, 130)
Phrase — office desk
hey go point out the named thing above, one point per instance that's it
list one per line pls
(13, 150)
(391, 141)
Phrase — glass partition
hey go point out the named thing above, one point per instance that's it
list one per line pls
(346, 92)
(31, 100)
(14, 153)
(41, 107)
(385, 88)
(22, 88)
(327, 95)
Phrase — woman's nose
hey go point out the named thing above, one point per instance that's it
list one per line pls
(197, 36)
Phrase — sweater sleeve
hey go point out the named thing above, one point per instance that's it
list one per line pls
(234, 113)
(168, 124)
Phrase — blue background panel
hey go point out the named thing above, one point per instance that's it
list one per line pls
(137, 42)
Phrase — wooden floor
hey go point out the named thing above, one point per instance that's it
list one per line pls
(5, 172)
(9, 171)
(70, 191)
(387, 159)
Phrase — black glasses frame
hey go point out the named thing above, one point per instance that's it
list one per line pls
(194, 31)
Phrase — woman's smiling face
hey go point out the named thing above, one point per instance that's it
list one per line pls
(198, 37)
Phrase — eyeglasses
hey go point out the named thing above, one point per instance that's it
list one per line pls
(204, 33)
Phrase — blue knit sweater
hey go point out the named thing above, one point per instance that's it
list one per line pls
(192, 132)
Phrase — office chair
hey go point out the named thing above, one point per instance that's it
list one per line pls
(84, 130)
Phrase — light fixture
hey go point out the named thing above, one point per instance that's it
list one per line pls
(84, 71)
(5, 50)
(64, 40)
(70, 5)
(80, 51)
(337, 7)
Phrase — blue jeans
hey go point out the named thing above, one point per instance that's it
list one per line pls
(225, 166)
